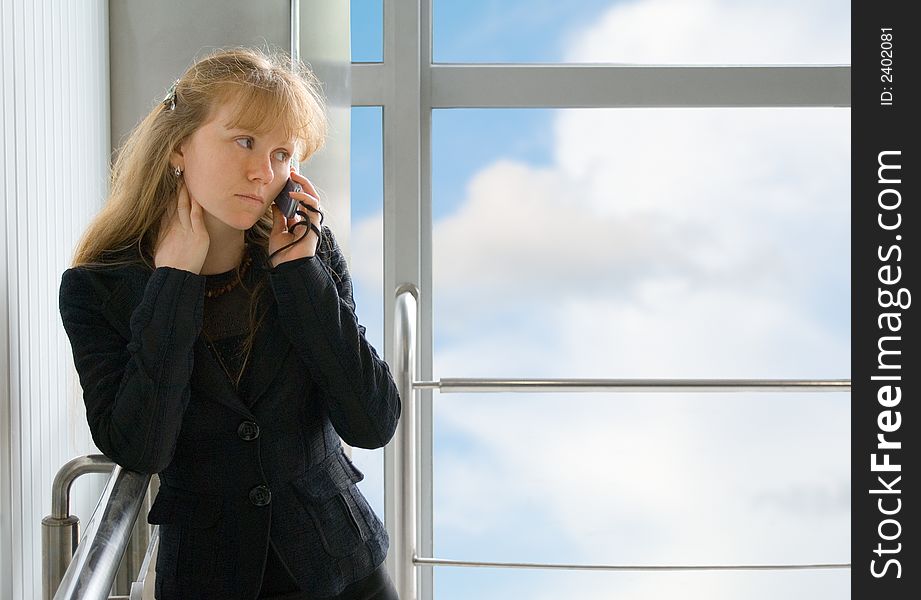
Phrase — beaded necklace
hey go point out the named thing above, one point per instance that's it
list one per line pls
(220, 291)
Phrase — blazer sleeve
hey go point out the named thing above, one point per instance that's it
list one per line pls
(135, 391)
(318, 314)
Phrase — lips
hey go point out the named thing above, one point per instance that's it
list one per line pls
(255, 199)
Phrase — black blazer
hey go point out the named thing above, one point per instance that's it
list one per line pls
(232, 476)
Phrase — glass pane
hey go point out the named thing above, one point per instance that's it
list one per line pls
(649, 479)
(642, 243)
(366, 266)
(367, 30)
(642, 31)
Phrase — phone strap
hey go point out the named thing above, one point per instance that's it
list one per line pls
(306, 222)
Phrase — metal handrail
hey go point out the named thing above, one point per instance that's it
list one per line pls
(460, 385)
(404, 371)
(60, 529)
(514, 565)
(405, 440)
(95, 564)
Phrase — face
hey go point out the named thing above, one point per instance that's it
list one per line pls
(234, 174)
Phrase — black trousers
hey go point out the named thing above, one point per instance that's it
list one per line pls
(277, 584)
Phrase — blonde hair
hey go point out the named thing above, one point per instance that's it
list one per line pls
(267, 86)
(143, 185)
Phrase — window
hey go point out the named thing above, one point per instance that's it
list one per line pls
(574, 218)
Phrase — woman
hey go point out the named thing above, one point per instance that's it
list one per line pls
(217, 343)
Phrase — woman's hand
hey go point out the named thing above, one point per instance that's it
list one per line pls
(183, 241)
(281, 235)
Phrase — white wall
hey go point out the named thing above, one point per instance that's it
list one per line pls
(54, 106)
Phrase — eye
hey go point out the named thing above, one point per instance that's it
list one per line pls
(280, 156)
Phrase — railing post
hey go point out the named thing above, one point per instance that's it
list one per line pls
(59, 540)
(405, 520)
(60, 529)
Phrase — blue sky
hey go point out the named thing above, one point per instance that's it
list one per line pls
(632, 243)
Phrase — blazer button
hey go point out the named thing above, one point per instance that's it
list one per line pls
(248, 431)
(260, 495)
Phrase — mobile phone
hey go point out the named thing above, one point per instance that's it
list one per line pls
(285, 203)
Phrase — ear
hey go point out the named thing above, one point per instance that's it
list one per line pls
(177, 157)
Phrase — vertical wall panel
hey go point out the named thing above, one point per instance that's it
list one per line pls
(54, 108)
(6, 534)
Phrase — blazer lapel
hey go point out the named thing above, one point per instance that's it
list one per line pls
(210, 382)
(271, 349)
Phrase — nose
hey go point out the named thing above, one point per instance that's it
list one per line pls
(261, 169)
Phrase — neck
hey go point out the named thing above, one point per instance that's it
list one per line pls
(225, 251)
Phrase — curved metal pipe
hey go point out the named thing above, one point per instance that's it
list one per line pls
(95, 564)
(67, 474)
(404, 341)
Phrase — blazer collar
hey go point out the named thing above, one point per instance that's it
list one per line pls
(270, 347)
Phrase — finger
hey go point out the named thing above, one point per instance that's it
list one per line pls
(303, 198)
(311, 206)
(296, 218)
(307, 199)
(311, 212)
(183, 206)
(305, 183)
(278, 222)
(196, 215)
(169, 220)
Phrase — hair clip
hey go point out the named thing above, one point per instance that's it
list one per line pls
(169, 101)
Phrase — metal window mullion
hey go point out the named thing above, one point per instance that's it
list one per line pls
(617, 86)
(607, 86)
(397, 87)
(426, 438)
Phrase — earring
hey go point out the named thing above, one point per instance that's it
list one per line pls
(178, 172)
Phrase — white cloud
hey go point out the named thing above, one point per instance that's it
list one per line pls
(716, 32)
(657, 220)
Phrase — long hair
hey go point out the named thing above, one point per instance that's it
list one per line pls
(269, 89)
